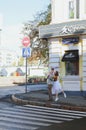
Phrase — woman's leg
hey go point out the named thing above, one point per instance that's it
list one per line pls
(50, 92)
(64, 93)
(56, 96)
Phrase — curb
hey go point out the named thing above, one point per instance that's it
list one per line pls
(48, 104)
(18, 101)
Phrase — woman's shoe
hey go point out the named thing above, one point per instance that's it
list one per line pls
(56, 99)
(65, 95)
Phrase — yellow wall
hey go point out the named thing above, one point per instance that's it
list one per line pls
(62, 64)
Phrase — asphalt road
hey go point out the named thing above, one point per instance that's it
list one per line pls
(78, 124)
(9, 90)
(5, 93)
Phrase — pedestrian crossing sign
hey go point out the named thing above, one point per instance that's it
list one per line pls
(26, 52)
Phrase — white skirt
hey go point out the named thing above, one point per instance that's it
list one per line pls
(57, 88)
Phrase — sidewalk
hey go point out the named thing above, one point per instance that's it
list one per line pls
(40, 97)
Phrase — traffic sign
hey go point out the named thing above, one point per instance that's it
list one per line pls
(26, 52)
(26, 41)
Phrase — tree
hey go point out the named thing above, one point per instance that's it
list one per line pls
(31, 29)
(21, 61)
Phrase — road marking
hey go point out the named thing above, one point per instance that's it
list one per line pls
(30, 117)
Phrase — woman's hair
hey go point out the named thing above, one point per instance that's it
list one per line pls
(56, 73)
(52, 68)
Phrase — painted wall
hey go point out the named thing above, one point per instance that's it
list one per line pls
(60, 10)
(56, 52)
(84, 62)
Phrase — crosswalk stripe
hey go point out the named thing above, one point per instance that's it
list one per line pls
(30, 117)
(21, 119)
(59, 110)
(20, 114)
(35, 111)
(12, 125)
(78, 115)
(55, 109)
(35, 118)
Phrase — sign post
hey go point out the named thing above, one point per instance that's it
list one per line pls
(26, 52)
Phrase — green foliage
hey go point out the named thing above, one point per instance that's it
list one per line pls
(21, 61)
(31, 29)
(71, 14)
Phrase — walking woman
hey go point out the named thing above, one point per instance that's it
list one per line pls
(57, 88)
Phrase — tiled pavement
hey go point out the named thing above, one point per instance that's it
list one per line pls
(40, 98)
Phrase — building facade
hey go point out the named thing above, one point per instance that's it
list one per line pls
(8, 58)
(66, 36)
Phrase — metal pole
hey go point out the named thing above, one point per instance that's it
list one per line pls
(26, 77)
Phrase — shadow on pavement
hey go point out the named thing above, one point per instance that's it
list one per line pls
(79, 124)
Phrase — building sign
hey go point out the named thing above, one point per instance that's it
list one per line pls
(63, 29)
(70, 40)
(73, 29)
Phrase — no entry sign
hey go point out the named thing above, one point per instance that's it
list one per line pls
(26, 41)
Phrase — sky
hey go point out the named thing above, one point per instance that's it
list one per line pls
(13, 14)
